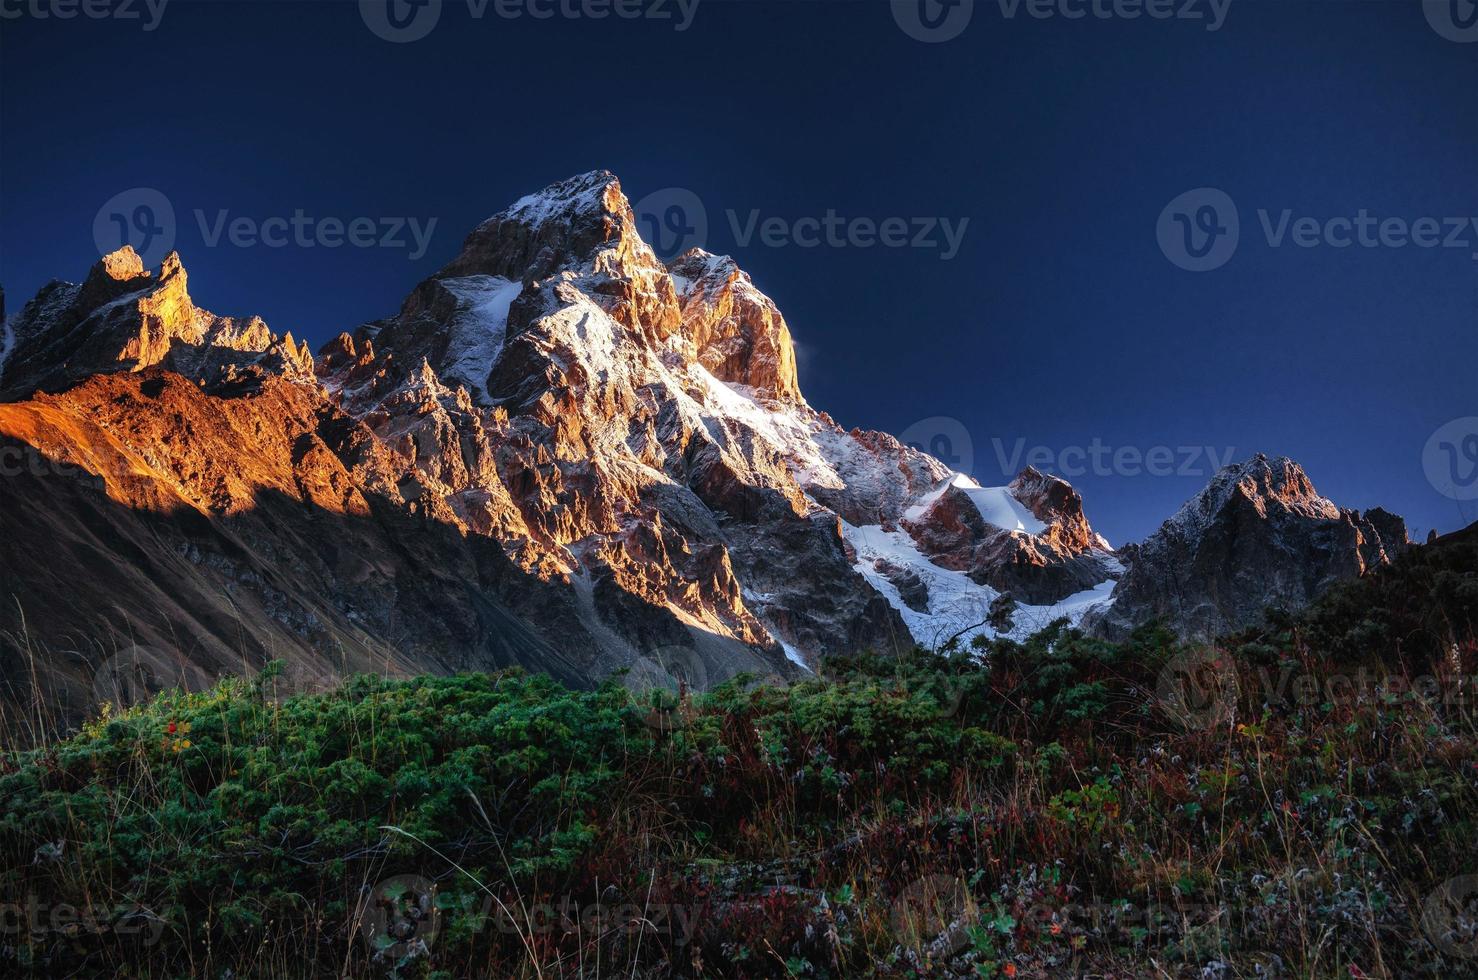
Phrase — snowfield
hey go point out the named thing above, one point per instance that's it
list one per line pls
(996, 505)
(956, 603)
(475, 336)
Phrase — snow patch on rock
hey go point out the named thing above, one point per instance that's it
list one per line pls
(475, 335)
(955, 602)
(997, 505)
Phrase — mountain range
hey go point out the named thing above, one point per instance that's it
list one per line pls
(560, 453)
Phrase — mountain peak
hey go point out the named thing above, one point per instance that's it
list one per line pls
(123, 317)
(593, 192)
(1258, 535)
(580, 234)
(1054, 502)
(120, 265)
(735, 331)
(1263, 482)
(561, 226)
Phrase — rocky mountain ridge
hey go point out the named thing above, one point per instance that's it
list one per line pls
(1257, 536)
(612, 455)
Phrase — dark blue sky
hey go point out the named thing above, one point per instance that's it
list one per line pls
(1060, 322)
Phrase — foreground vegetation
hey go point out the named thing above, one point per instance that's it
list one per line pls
(1057, 807)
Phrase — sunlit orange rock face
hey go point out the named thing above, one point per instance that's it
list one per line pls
(534, 462)
(123, 316)
(735, 331)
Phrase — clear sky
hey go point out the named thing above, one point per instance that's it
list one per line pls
(1058, 322)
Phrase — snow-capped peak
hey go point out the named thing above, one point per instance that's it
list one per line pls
(1279, 482)
(593, 192)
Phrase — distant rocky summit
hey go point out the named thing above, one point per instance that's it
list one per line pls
(559, 453)
(1257, 536)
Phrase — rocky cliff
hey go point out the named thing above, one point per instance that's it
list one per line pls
(1258, 535)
